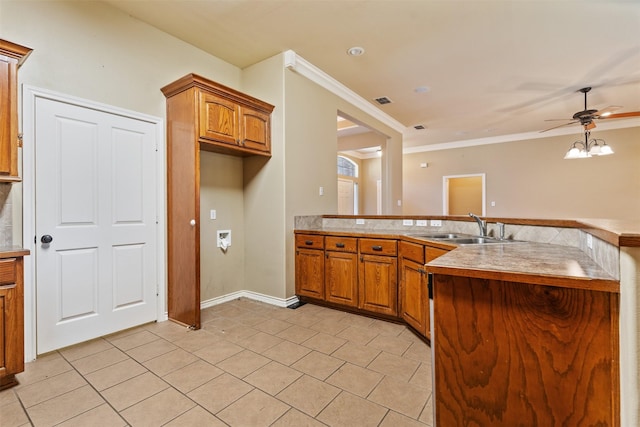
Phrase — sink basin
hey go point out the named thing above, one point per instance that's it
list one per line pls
(478, 241)
(440, 236)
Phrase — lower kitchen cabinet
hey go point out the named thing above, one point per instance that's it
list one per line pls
(520, 354)
(378, 276)
(413, 293)
(341, 270)
(310, 266)
(11, 320)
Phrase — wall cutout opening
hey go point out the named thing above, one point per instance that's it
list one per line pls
(463, 194)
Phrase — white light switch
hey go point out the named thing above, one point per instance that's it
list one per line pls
(407, 222)
(321, 191)
(436, 223)
(421, 222)
(212, 214)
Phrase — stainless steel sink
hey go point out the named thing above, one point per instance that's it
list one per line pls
(441, 236)
(478, 241)
(462, 239)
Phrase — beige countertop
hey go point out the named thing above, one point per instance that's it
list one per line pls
(535, 263)
(525, 262)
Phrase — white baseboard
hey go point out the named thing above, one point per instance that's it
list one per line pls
(279, 302)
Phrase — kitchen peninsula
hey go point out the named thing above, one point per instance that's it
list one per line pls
(523, 333)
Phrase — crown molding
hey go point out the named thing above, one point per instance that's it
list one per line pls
(517, 137)
(296, 63)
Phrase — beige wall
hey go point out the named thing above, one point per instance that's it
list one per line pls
(311, 149)
(221, 189)
(85, 49)
(371, 173)
(531, 179)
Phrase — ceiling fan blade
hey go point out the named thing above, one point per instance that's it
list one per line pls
(606, 111)
(622, 115)
(589, 126)
(556, 120)
(559, 126)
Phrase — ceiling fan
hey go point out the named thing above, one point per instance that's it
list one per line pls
(586, 117)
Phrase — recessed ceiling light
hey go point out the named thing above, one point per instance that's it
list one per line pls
(422, 89)
(355, 51)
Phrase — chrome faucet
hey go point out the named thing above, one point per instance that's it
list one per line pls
(481, 224)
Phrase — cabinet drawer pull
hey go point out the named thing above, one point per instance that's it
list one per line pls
(339, 245)
(308, 242)
(376, 248)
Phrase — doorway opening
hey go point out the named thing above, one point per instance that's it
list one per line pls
(362, 148)
(462, 194)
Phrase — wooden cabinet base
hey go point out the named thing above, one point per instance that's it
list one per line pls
(8, 381)
(512, 354)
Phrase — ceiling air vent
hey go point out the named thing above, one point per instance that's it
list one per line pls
(383, 100)
(419, 127)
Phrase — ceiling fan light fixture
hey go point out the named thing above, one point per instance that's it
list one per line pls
(588, 148)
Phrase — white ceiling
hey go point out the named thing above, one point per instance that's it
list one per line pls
(492, 67)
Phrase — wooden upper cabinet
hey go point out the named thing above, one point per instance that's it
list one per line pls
(227, 121)
(218, 119)
(11, 57)
(255, 130)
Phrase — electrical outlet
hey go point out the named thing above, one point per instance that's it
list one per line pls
(436, 223)
(421, 222)
(321, 191)
(212, 214)
(360, 221)
(407, 222)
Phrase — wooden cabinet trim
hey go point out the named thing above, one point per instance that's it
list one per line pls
(194, 80)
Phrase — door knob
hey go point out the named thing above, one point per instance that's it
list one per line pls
(46, 239)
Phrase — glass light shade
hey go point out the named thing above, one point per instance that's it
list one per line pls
(605, 150)
(573, 153)
(595, 150)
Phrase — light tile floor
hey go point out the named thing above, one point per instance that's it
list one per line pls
(251, 364)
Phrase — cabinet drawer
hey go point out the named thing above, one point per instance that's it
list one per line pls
(312, 241)
(412, 251)
(379, 247)
(341, 244)
(8, 271)
(431, 253)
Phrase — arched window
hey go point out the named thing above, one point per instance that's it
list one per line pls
(347, 167)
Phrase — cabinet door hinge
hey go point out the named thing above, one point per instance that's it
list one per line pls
(20, 137)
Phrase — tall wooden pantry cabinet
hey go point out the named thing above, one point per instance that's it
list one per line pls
(201, 115)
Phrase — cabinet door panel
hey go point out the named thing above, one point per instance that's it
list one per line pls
(255, 130)
(7, 69)
(310, 273)
(218, 119)
(341, 278)
(378, 279)
(414, 296)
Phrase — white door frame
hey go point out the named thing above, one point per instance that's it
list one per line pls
(29, 96)
(445, 191)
